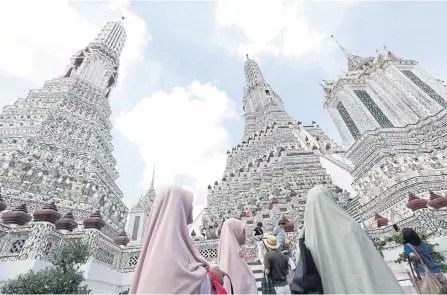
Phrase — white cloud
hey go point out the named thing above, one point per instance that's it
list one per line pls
(274, 27)
(182, 133)
(284, 28)
(38, 41)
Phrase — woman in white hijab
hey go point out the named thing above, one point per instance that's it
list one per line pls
(345, 257)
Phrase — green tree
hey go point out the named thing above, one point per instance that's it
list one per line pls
(437, 257)
(380, 246)
(65, 277)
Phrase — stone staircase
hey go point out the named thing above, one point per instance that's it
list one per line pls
(257, 269)
(353, 209)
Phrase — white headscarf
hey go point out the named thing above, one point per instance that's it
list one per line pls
(346, 258)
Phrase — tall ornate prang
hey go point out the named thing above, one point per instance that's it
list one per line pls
(268, 174)
(56, 142)
(393, 115)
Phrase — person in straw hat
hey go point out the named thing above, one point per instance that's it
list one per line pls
(276, 265)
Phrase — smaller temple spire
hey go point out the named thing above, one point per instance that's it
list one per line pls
(153, 177)
(345, 51)
(253, 74)
(390, 55)
(355, 62)
(145, 201)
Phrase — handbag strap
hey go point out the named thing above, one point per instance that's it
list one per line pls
(265, 246)
(231, 284)
(418, 256)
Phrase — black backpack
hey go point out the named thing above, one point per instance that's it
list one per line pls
(306, 279)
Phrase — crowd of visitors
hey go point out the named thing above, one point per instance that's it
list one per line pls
(335, 254)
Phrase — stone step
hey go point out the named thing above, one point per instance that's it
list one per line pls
(257, 269)
(254, 263)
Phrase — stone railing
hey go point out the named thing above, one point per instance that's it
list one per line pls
(12, 241)
(40, 240)
(424, 220)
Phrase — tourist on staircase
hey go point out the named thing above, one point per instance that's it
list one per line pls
(169, 263)
(257, 237)
(231, 259)
(420, 255)
(211, 233)
(286, 250)
(276, 266)
(346, 259)
(280, 232)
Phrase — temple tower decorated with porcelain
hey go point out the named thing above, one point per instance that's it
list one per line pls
(55, 144)
(268, 174)
(392, 115)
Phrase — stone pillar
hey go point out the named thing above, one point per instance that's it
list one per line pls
(92, 229)
(16, 217)
(121, 240)
(39, 244)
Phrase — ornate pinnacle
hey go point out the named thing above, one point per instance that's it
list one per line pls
(95, 221)
(433, 195)
(48, 213)
(121, 239)
(354, 61)
(346, 52)
(412, 196)
(416, 203)
(377, 216)
(18, 215)
(381, 221)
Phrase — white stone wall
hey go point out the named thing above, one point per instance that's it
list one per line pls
(339, 176)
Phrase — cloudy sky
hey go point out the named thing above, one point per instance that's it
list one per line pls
(178, 103)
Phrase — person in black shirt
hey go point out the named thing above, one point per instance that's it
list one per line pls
(276, 265)
(258, 229)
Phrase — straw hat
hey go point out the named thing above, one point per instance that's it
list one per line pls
(270, 241)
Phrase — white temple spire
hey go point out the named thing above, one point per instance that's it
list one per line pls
(253, 74)
(113, 36)
(355, 62)
(152, 181)
(345, 51)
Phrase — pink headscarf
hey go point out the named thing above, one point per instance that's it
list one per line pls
(232, 259)
(169, 263)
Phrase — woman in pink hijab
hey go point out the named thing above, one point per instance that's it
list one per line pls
(169, 263)
(232, 259)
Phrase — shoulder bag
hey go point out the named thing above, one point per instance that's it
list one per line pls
(428, 284)
(267, 285)
(306, 279)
